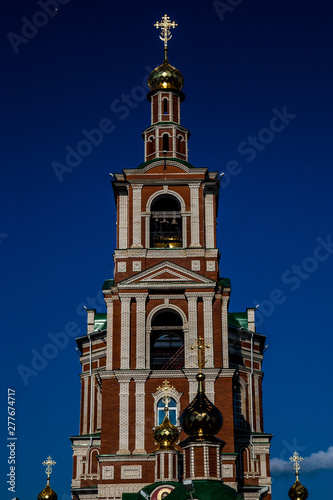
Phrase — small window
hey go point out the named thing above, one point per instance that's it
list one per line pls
(165, 138)
(172, 413)
(165, 106)
(238, 411)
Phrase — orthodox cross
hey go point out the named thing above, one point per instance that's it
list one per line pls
(48, 464)
(200, 347)
(296, 459)
(165, 26)
(166, 388)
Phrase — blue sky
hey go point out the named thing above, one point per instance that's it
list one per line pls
(243, 65)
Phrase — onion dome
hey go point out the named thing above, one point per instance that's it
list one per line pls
(298, 491)
(201, 418)
(47, 493)
(166, 435)
(166, 77)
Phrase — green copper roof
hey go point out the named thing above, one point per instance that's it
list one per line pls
(203, 490)
(100, 322)
(183, 162)
(225, 282)
(238, 320)
(108, 284)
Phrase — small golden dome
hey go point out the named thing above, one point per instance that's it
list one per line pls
(166, 77)
(47, 493)
(201, 418)
(166, 435)
(298, 491)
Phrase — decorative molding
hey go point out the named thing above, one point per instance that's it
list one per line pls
(131, 472)
(121, 267)
(136, 265)
(210, 265)
(195, 265)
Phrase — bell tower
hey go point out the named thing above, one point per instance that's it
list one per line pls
(166, 293)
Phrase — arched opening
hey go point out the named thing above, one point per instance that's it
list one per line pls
(150, 146)
(166, 223)
(167, 341)
(165, 138)
(165, 106)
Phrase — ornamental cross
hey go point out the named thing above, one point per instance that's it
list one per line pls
(165, 26)
(48, 464)
(200, 347)
(296, 459)
(166, 388)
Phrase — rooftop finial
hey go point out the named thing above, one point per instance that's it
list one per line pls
(48, 464)
(165, 26)
(200, 347)
(296, 459)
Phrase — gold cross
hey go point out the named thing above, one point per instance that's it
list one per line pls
(166, 388)
(296, 459)
(48, 464)
(200, 347)
(165, 26)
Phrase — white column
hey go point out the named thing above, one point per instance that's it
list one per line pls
(85, 429)
(136, 224)
(109, 332)
(190, 356)
(141, 330)
(256, 402)
(209, 219)
(123, 219)
(225, 340)
(195, 228)
(140, 381)
(125, 334)
(208, 328)
(123, 417)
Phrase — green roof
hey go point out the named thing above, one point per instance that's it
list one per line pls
(203, 490)
(238, 320)
(183, 162)
(108, 284)
(100, 322)
(225, 282)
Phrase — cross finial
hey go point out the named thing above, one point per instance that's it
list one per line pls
(200, 346)
(165, 26)
(166, 388)
(296, 459)
(48, 464)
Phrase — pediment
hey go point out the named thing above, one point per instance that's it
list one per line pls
(166, 273)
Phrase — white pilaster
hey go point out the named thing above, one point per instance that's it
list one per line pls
(225, 341)
(136, 224)
(123, 417)
(123, 219)
(190, 356)
(140, 381)
(195, 227)
(141, 330)
(109, 332)
(208, 329)
(125, 335)
(209, 219)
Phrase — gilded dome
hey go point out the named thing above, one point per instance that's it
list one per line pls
(166, 435)
(47, 493)
(201, 418)
(298, 491)
(166, 77)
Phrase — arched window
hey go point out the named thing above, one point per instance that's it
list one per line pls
(165, 223)
(167, 341)
(165, 106)
(150, 145)
(165, 146)
(172, 413)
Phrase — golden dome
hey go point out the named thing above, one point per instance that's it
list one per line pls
(201, 418)
(47, 493)
(166, 77)
(298, 491)
(166, 435)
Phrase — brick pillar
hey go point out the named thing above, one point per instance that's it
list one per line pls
(140, 380)
(225, 340)
(123, 415)
(209, 219)
(195, 218)
(109, 332)
(190, 356)
(123, 219)
(141, 330)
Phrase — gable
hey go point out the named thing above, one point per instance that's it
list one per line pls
(167, 273)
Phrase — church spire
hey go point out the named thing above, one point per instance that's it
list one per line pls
(297, 491)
